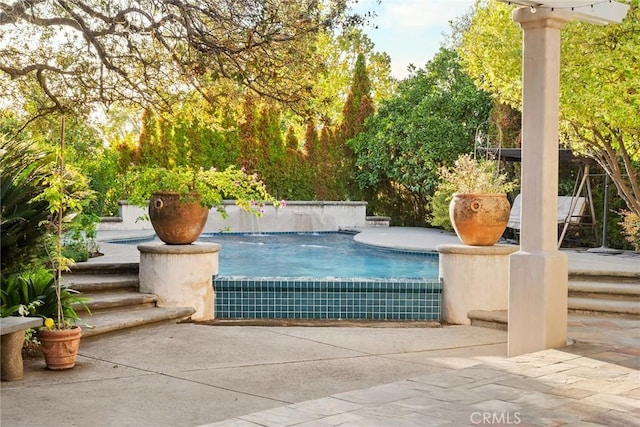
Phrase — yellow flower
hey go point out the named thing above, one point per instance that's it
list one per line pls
(49, 323)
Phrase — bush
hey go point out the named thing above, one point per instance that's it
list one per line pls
(631, 228)
(24, 167)
(467, 175)
(33, 293)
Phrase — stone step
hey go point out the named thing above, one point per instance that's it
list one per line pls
(86, 283)
(604, 276)
(617, 307)
(586, 306)
(609, 289)
(105, 268)
(489, 319)
(114, 301)
(109, 300)
(106, 321)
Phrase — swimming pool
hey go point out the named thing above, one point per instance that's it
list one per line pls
(316, 255)
(322, 276)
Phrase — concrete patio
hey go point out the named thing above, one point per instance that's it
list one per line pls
(374, 375)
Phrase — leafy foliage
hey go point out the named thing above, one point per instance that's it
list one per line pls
(73, 55)
(631, 226)
(431, 120)
(24, 168)
(80, 238)
(600, 74)
(469, 175)
(340, 53)
(33, 293)
(209, 187)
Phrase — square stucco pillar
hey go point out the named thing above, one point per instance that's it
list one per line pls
(538, 273)
(474, 278)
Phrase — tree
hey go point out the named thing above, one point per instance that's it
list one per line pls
(74, 55)
(340, 53)
(431, 120)
(600, 76)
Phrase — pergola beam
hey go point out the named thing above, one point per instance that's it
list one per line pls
(600, 12)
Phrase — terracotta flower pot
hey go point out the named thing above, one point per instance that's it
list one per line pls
(60, 347)
(479, 219)
(175, 222)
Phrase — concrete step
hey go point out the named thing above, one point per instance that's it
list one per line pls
(605, 295)
(610, 289)
(489, 319)
(601, 306)
(110, 300)
(86, 283)
(605, 276)
(106, 268)
(114, 301)
(106, 321)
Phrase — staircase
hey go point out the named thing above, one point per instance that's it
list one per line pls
(115, 301)
(611, 294)
(593, 294)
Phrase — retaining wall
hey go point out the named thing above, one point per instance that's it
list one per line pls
(295, 216)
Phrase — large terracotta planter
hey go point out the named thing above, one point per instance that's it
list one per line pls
(60, 347)
(175, 222)
(479, 219)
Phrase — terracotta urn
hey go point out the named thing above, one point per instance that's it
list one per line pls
(176, 222)
(479, 219)
(60, 347)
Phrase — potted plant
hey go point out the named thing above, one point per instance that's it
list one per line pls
(179, 199)
(65, 191)
(479, 208)
(36, 293)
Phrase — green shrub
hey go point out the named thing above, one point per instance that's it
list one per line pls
(631, 228)
(33, 293)
(24, 166)
(467, 175)
(80, 241)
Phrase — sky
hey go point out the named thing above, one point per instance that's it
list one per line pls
(411, 31)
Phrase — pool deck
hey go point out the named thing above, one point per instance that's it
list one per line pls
(379, 375)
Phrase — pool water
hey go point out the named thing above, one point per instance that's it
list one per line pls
(316, 255)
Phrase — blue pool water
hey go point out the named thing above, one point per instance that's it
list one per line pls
(316, 255)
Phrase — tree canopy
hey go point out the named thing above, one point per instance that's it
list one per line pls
(61, 55)
(429, 122)
(600, 77)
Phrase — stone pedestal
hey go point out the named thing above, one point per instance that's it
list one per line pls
(12, 330)
(474, 278)
(180, 275)
(12, 356)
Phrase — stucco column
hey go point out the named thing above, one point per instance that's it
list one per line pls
(474, 278)
(538, 273)
(180, 275)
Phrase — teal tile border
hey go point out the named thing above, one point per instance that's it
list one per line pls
(327, 298)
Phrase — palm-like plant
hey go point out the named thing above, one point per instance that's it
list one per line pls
(33, 293)
(23, 169)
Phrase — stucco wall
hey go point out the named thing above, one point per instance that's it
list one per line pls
(295, 216)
